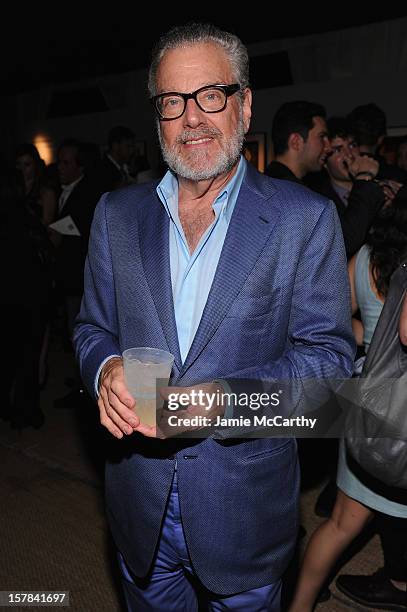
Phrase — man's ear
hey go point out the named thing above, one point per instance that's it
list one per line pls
(247, 109)
(295, 142)
(380, 140)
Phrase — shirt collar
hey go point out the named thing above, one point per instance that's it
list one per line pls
(114, 162)
(124, 168)
(70, 186)
(167, 191)
(342, 192)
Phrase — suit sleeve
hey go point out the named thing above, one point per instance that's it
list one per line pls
(96, 332)
(320, 348)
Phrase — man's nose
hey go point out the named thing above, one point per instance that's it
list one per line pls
(348, 152)
(193, 114)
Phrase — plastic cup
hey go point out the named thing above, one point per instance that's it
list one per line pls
(143, 366)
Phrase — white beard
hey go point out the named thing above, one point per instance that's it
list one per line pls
(199, 167)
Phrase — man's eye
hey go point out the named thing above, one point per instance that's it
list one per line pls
(213, 96)
(170, 102)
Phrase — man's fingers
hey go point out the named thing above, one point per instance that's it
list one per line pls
(146, 430)
(117, 414)
(126, 414)
(395, 185)
(107, 421)
(119, 389)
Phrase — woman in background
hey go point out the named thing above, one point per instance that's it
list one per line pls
(24, 302)
(41, 197)
(370, 271)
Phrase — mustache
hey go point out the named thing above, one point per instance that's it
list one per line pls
(202, 132)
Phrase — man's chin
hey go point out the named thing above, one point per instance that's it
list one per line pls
(202, 171)
(191, 169)
(200, 174)
(316, 168)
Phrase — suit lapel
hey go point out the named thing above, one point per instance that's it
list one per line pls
(154, 246)
(249, 228)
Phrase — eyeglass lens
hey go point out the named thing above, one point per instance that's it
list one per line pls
(210, 100)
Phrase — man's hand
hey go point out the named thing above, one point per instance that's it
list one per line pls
(118, 409)
(203, 401)
(116, 405)
(362, 167)
(390, 190)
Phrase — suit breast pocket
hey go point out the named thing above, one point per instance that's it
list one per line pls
(249, 306)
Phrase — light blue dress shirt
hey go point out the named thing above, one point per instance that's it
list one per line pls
(192, 274)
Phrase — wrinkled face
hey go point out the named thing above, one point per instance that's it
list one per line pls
(26, 165)
(342, 152)
(199, 145)
(402, 156)
(68, 168)
(315, 147)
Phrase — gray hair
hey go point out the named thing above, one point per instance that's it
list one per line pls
(195, 33)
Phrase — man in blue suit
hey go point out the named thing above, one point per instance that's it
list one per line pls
(238, 276)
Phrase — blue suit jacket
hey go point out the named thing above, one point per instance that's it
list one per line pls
(278, 307)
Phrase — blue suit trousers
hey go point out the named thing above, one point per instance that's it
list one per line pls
(172, 585)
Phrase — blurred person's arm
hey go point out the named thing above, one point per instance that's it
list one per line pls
(403, 323)
(357, 328)
(48, 203)
(357, 325)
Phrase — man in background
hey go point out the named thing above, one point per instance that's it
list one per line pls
(300, 140)
(369, 127)
(115, 164)
(76, 205)
(348, 179)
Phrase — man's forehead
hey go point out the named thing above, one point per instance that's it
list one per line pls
(319, 123)
(206, 63)
(338, 140)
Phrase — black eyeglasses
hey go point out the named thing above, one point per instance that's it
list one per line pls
(210, 99)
